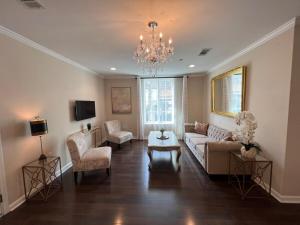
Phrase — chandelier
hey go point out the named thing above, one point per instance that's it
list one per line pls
(152, 53)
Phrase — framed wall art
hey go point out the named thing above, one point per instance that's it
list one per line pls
(121, 100)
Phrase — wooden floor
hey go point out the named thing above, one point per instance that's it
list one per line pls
(135, 196)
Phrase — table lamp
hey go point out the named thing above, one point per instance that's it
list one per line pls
(39, 127)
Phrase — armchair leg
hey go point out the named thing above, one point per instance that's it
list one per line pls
(108, 171)
(130, 141)
(75, 177)
(119, 146)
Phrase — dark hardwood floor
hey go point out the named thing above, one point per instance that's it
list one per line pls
(133, 195)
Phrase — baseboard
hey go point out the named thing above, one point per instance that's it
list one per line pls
(22, 199)
(279, 197)
(17, 203)
(64, 168)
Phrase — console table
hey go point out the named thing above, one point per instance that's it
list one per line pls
(257, 169)
(93, 131)
(42, 178)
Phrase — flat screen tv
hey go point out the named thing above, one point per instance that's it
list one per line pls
(84, 110)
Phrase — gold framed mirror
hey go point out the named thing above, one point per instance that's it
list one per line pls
(228, 92)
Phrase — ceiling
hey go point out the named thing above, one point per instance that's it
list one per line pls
(103, 34)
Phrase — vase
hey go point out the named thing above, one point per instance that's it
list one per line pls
(249, 154)
(89, 126)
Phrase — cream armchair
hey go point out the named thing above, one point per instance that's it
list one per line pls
(115, 134)
(86, 158)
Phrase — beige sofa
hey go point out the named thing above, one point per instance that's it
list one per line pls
(211, 150)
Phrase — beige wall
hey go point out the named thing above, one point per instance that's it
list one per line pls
(129, 121)
(33, 83)
(291, 183)
(267, 96)
(197, 90)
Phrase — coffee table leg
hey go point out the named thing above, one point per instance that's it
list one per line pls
(178, 155)
(150, 155)
(150, 158)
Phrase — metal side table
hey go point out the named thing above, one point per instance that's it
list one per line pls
(42, 178)
(258, 169)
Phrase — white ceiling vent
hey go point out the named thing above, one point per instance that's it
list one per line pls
(32, 4)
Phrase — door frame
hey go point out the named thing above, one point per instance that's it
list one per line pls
(3, 184)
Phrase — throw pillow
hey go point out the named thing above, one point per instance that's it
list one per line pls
(201, 128)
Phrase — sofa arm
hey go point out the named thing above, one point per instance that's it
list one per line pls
(189, 127)
(217, 156)
(223, 146)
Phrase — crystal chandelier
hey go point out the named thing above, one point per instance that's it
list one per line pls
(152, 53)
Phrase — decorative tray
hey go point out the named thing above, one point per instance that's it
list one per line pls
(162, 138)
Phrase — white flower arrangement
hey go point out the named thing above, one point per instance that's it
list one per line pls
(245, 134)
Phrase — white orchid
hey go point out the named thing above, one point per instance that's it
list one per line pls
(247, 122)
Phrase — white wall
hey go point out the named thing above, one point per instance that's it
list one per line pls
(33, 83)
(267, 96)
(196, 86)
(291, 183)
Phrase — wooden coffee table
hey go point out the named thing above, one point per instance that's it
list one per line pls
(168, 145)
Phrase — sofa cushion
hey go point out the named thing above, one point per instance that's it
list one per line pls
(120, 136)
(194, 135)
(201, 141)
(217, 133)
(201, 128)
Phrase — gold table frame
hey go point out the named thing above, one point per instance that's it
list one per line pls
(41, 178)
(256, 168)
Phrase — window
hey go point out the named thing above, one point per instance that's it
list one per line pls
(236, 86)
(159, 101)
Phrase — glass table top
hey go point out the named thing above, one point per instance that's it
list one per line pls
(41, 163)
(258, 157)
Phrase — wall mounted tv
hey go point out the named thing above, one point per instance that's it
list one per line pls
(84, 110)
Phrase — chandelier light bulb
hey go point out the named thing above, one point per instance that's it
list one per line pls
(160, 35)
(147, 50)
(141, 37)
(170, 41)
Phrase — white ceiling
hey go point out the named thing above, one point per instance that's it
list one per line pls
(100, 34)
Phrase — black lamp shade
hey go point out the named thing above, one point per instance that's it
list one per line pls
(38, 127)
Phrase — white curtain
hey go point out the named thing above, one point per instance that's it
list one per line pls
(140, 110)
(184, 102)
(178, 116)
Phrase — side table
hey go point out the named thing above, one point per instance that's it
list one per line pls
(240, 168)
(41, 179)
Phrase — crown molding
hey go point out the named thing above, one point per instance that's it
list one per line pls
(32, 44)
(283, 28)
